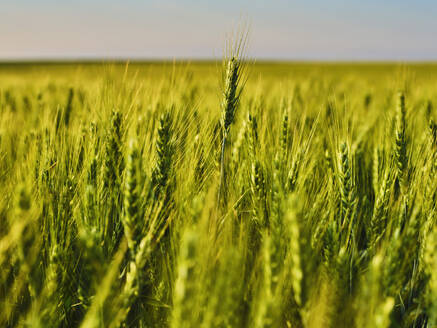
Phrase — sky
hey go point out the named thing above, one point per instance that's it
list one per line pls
(397, 30)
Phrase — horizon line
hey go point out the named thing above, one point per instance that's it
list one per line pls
(122, 59)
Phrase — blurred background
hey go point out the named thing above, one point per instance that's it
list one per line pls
(332, 30)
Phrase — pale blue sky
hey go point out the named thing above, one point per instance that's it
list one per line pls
(280, 29)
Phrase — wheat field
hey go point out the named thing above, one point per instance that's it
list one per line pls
(209, 194)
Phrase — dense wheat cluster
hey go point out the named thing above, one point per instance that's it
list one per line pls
(159, 195)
